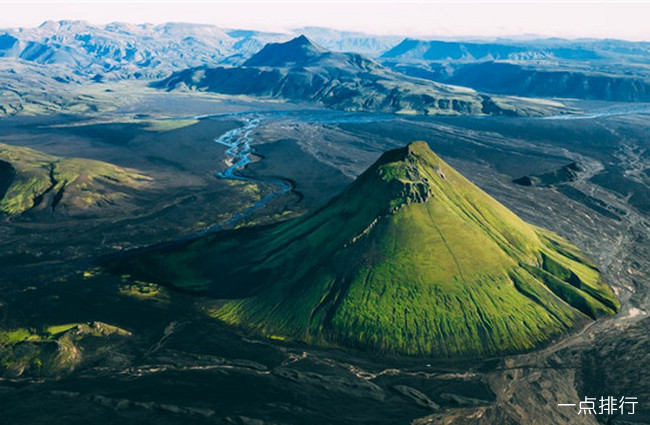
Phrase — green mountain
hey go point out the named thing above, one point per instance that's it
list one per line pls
(411, 258)
(31, 180)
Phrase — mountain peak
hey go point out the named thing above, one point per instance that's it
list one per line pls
(51, 24)
(294, 52)
(403, 171)
(412, 151)
(301, 39)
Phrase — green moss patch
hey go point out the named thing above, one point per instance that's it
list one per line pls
(41, 180)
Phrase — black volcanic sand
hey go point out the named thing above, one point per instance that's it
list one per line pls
(451, 143)
(313, 180)
(204, 372)
(620, 143)
(127, 144)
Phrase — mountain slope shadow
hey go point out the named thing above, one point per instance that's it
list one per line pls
(411, 258)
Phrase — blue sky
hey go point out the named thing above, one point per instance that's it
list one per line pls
(625, 20)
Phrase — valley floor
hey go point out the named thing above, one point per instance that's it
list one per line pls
(178, 365)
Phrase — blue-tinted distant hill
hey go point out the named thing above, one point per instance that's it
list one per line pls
(141, 51)
(121, 50)
(611, 70)
(542, 49)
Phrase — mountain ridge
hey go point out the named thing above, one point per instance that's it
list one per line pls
(505, 49)
(300, 71)
(120, 50)
(609, 70)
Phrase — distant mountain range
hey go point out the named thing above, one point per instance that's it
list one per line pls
(299, 70)
(609, 70)
(508, 78)
(411, 258)
(542, 49)
(121, 50)
(378, 73)
(149, 51)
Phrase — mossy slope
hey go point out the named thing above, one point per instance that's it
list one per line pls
(411, 258)
(52, 351)
(33, 180)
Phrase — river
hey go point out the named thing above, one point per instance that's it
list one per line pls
(238, 141)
